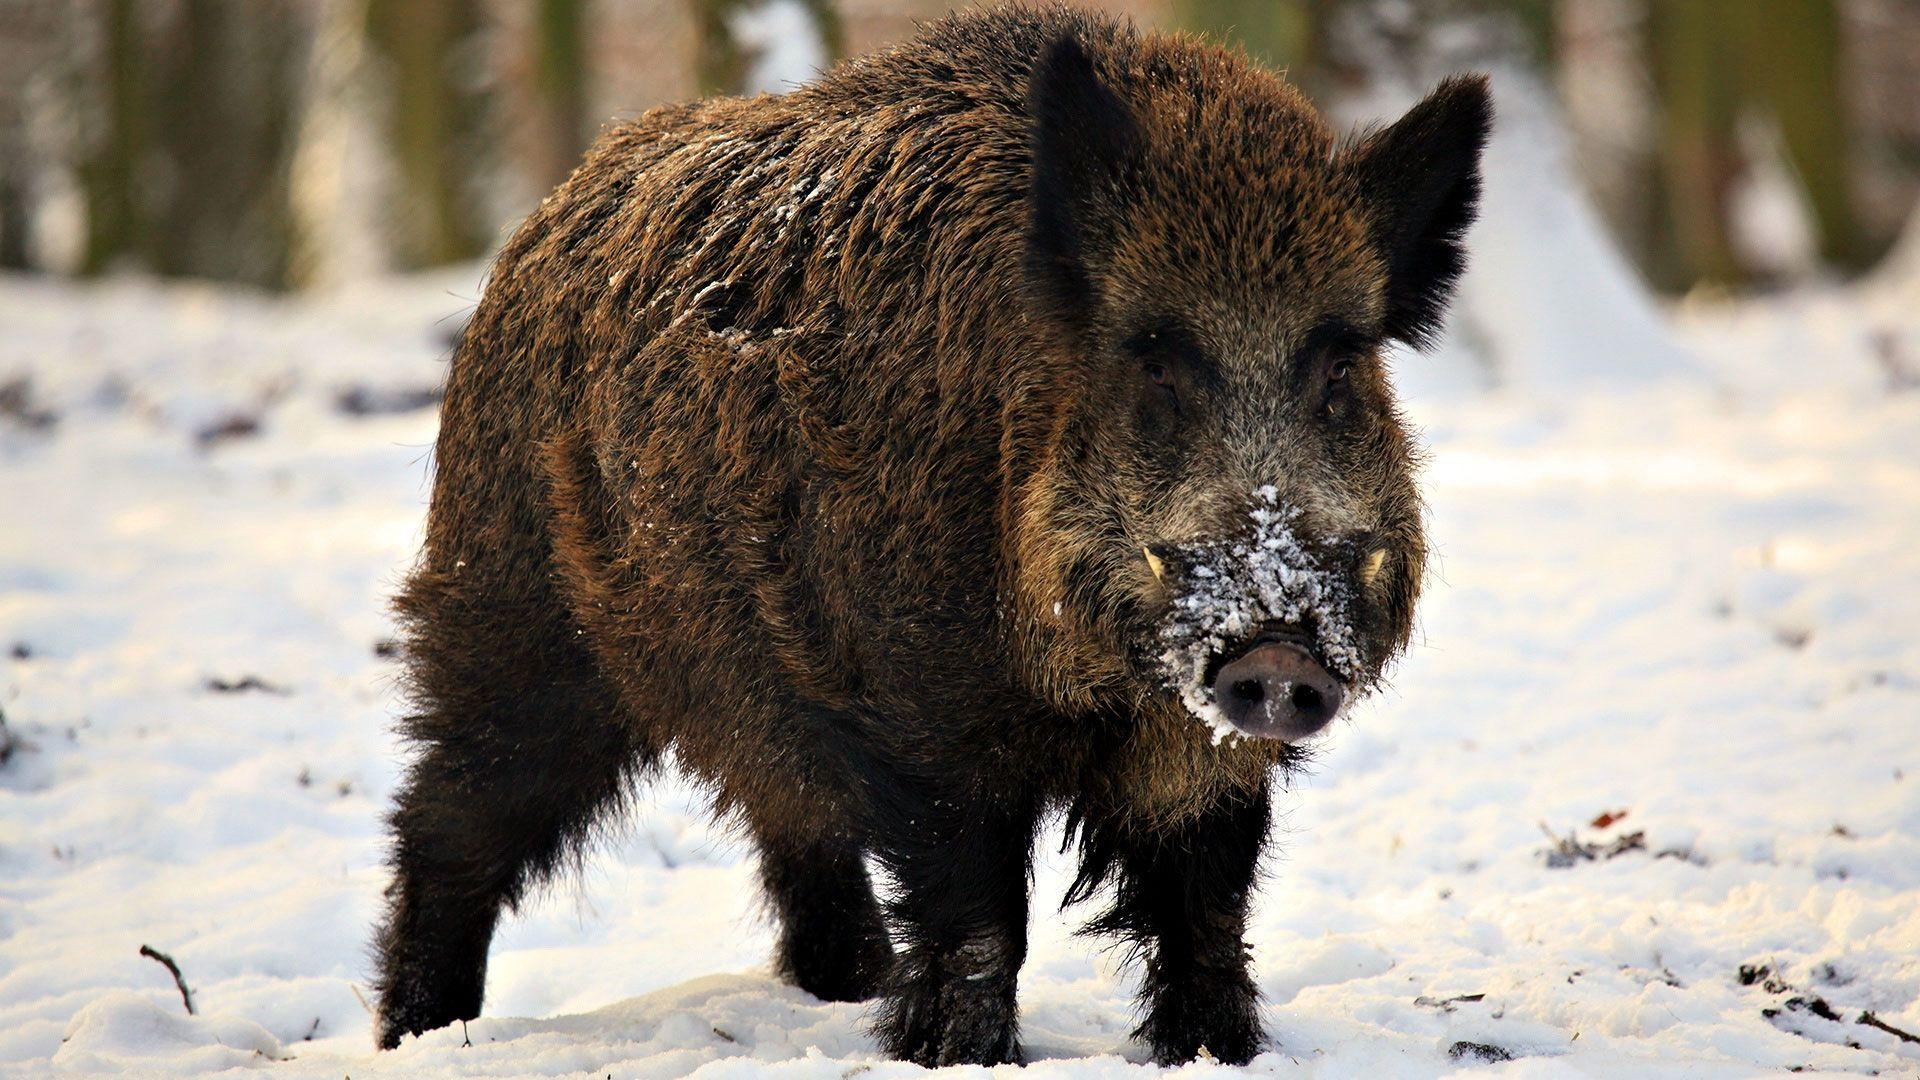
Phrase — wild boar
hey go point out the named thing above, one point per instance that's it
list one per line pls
(996, 427)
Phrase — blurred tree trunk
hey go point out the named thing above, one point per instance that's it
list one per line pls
(1793, 58)
(115, 140)
(722, 61)
(188, 114)
(16, 206)
(1694, 72)
(435, 105)
(26, 42)
(229, 77)
(1285, 35)
(1539, 21)
(718, 63)
(560, 81)
(1715, 61)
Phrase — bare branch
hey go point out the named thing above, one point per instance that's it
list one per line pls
(1873, 1021)
(186, 995)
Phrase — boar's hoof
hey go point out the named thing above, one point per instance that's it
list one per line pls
(1209, 1016)
(936, 1017)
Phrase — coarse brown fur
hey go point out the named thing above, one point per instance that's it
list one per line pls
(782, 440)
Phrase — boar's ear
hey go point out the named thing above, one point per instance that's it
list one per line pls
(1422, 177)
(1082, 135)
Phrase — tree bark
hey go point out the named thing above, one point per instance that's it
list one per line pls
(560, 81)
(116, 141)
(434, 111)
(1694, 65)
(1792, 53)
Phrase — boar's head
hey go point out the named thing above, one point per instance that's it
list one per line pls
(1228, 515)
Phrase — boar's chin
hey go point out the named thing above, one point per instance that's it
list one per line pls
(1231, 590)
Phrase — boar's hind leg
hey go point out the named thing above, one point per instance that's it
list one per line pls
(520, 749)
(1181, 893)
(961, 864)
(833, 942)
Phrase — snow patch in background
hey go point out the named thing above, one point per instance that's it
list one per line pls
(1549, 305)
(783, 42)
(1548, 297)
(1773, 227)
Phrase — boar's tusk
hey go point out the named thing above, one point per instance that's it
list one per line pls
(1153, 564)
(1371, 568)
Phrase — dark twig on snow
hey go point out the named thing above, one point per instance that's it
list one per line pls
(1750, 974)
(186, 995)
(243, 684)
(225, 429)
(372, 401)
(1447, 1004)
(1762, 974)
(16, 406)
(1570, 849)
(1893, 361)
(1809, 1003)
(1873, 1021)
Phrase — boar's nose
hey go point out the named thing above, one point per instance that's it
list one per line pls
(1276, 690)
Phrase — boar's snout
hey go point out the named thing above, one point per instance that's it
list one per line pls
(1277, 690)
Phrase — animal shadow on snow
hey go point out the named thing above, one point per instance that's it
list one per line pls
(715, 1017)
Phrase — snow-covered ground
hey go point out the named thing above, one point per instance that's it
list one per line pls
(1690, 603)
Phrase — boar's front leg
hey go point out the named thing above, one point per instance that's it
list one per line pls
(1181, 892)
(961, 863)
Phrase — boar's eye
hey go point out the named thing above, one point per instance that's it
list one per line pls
(1329, 354)
(1337, 393)
(1167, 355)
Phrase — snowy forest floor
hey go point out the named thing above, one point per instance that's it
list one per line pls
(1675, 622)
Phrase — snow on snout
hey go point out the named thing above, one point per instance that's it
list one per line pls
(1231, 587)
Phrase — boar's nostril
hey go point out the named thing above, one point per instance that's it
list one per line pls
(1306, 698)
(1249, 691)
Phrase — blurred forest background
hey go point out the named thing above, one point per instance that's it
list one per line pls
(286, 144)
